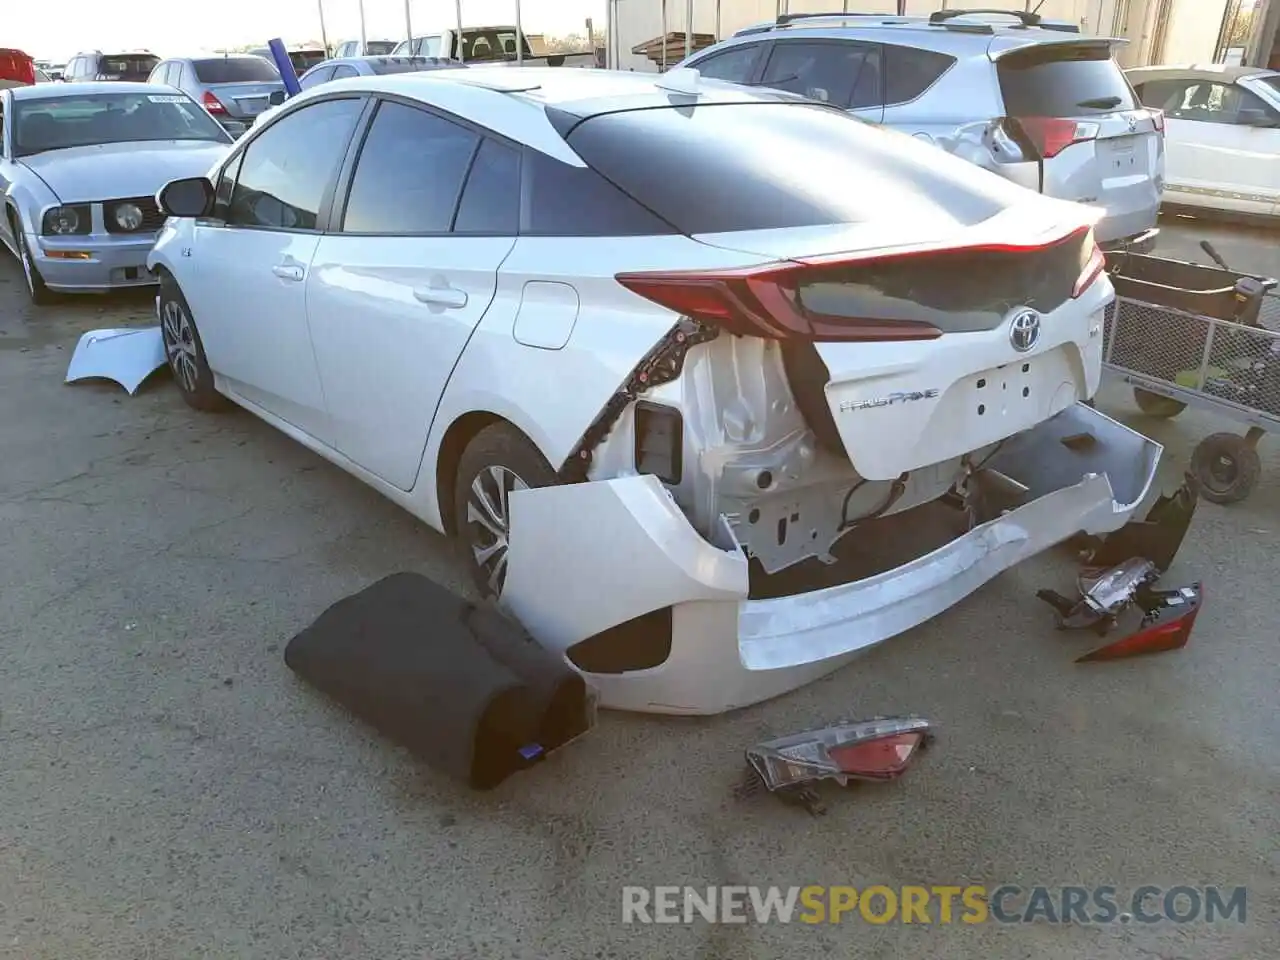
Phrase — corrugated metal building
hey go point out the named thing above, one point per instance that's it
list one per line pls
(1158, 31)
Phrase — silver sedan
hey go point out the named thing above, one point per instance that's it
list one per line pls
(80, 165)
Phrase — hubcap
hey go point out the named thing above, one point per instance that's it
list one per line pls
(179, 344)
(488, 523)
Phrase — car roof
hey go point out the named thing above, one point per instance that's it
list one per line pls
(60, 91)
(962, 32)
(1198, 71)
(515, 103)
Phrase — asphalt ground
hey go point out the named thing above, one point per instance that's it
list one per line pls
(168, 789)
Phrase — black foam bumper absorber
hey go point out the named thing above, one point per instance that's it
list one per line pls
(462, 686)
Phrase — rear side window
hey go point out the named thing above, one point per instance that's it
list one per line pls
(236, 70)
(909, 72)
(830, 72)
(1063, 80)
(409, 174)
(760, 166)
(560, 200)
(316, 77)
(1272, 82)
(342, 71)
(733, 66)
(491, 198)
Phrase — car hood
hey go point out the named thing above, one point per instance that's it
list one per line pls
(110, 170)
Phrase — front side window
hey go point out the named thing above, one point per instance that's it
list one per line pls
(56, 123)
(409, 174)
(1208, 102)
(288, 168)
(316, 77)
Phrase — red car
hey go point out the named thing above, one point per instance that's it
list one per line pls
(16, 68)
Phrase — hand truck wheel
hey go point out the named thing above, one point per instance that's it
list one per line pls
(1227, 466)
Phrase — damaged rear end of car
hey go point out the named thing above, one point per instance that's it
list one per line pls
(872, 412)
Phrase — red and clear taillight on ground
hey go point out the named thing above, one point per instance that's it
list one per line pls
(867, 750)
(1168, 619)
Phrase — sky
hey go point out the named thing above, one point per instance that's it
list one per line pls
(56, 29)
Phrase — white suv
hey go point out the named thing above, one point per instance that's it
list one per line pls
(1026, 98)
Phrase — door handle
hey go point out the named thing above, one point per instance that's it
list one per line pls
(287, 271)
(441, 297)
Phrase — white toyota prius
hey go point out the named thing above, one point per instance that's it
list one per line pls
(662, 352)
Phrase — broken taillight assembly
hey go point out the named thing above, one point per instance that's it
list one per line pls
(1051, 135)
(764, 301)
(212, 103)
(869, 750)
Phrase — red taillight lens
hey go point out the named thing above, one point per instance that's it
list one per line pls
(883, 759)
(1167, 633)
(212, 103)
(1051, 135)
(765, 301)
(1093, 267)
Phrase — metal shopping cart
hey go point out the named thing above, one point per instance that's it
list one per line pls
(1186, 334)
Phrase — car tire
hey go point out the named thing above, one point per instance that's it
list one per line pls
(1227, 467)
(498, 460)
(184, 350)
(40, 295)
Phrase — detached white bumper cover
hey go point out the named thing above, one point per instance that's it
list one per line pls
(590, 556)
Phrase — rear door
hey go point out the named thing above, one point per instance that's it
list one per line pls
(843, 73)
(1097, 143)
(1220, 152)
(398, 286)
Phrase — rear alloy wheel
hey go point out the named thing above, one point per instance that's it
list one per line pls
(1156, 405)
(185, 352)
(1227, 467)
(497, 462)
(40, 295)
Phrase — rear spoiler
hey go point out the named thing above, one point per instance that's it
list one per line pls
(1074, 41)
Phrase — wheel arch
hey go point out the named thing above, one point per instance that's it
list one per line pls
(460, 433)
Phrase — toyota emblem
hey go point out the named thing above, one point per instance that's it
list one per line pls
(1133, 123)
(1024, 331)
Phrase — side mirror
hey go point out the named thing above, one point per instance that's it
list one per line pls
(191, 197)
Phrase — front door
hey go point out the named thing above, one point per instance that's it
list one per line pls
(404, 277)
(254, 256)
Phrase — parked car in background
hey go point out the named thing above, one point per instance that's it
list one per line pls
(341, 68)
(131, 67)
(609, 296)
(1025, 98)
(42, 77)
(17, 69)
(79, 171)
(233, 88)
(372, 48)
(1222, 134)
(302, 58)
(488, 45)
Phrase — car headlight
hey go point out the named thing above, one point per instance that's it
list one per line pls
(65, 221)
(128, 216)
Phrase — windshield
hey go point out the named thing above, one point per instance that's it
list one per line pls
(378, 48)
(236, 70)
(55, 123)
(128, 66)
